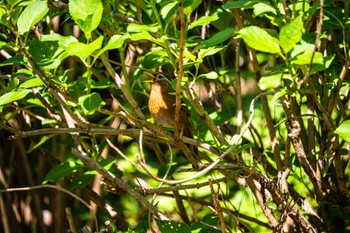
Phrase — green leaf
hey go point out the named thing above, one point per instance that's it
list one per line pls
(13, 96)
(203, 21)
(210, 75)
(90, 102)
(43, 139)
(87, 14)
(169, 9)
(270, 81)
(34, 82)
(343, 130)
(209, 51)
(43, 55)
(155, 59)
(218, 38)
(17, 60)
(145, 35)
(172, 226)
(2, 44)
(133, 27)
(115, 42)
(63, 41)
(84, 50)
(291, 34)
(190, 6)
(262, 8)
(239, 4)
(260, 40)
(61, 170)
(305, 58)
(31, 15)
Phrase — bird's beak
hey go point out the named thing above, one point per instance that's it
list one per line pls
(151, 76)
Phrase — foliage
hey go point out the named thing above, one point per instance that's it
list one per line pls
(267, 85)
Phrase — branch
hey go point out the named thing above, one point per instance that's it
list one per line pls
(117, 182)
(181, 70)
(44, 186)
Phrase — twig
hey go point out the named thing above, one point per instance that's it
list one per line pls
(318, 35)
(180, 72)
(160, 190)
(117, 182)
(44, 186)
(217, 206)
(70, 221)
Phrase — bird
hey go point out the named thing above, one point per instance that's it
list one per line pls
(162, 105)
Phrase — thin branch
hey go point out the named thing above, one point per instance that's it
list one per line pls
(318, 35)
(117, 182)
(44, 186)
(180, 71)
(217, 205)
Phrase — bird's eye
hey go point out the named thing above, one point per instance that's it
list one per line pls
(160, 77)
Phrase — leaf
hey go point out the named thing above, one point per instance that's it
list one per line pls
(169, 9)
(83, 50)
(87, 14)
(190, 6)
(133, 27)
(291, 34)
(172, 226)
(209, 51)
(32, 14)
(90, 102)
(43, 139)
(260, 40)
(43, 55)
(343, 130)
(145, 35)
(218, 38)
(17, 60)
(33, 82)
(270, 81)
(203, 21)
(115, 42)
(63, 41)
(61, 170)
(210, 75)
(239, 4)
(13, 96)
(305, 58)
(261, 8)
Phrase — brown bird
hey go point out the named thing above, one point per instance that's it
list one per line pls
(162, 104)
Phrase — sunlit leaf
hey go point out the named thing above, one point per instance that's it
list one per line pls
(84, 50)
(13, 96)
(260, 40)
(169, 9)
(31, 15)
(210, 75)
(291, 34)
(270, 81)
(204, 52)
(343, 130)
(203, 21)
(33, 82)
(262, 8)
(86, 13)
